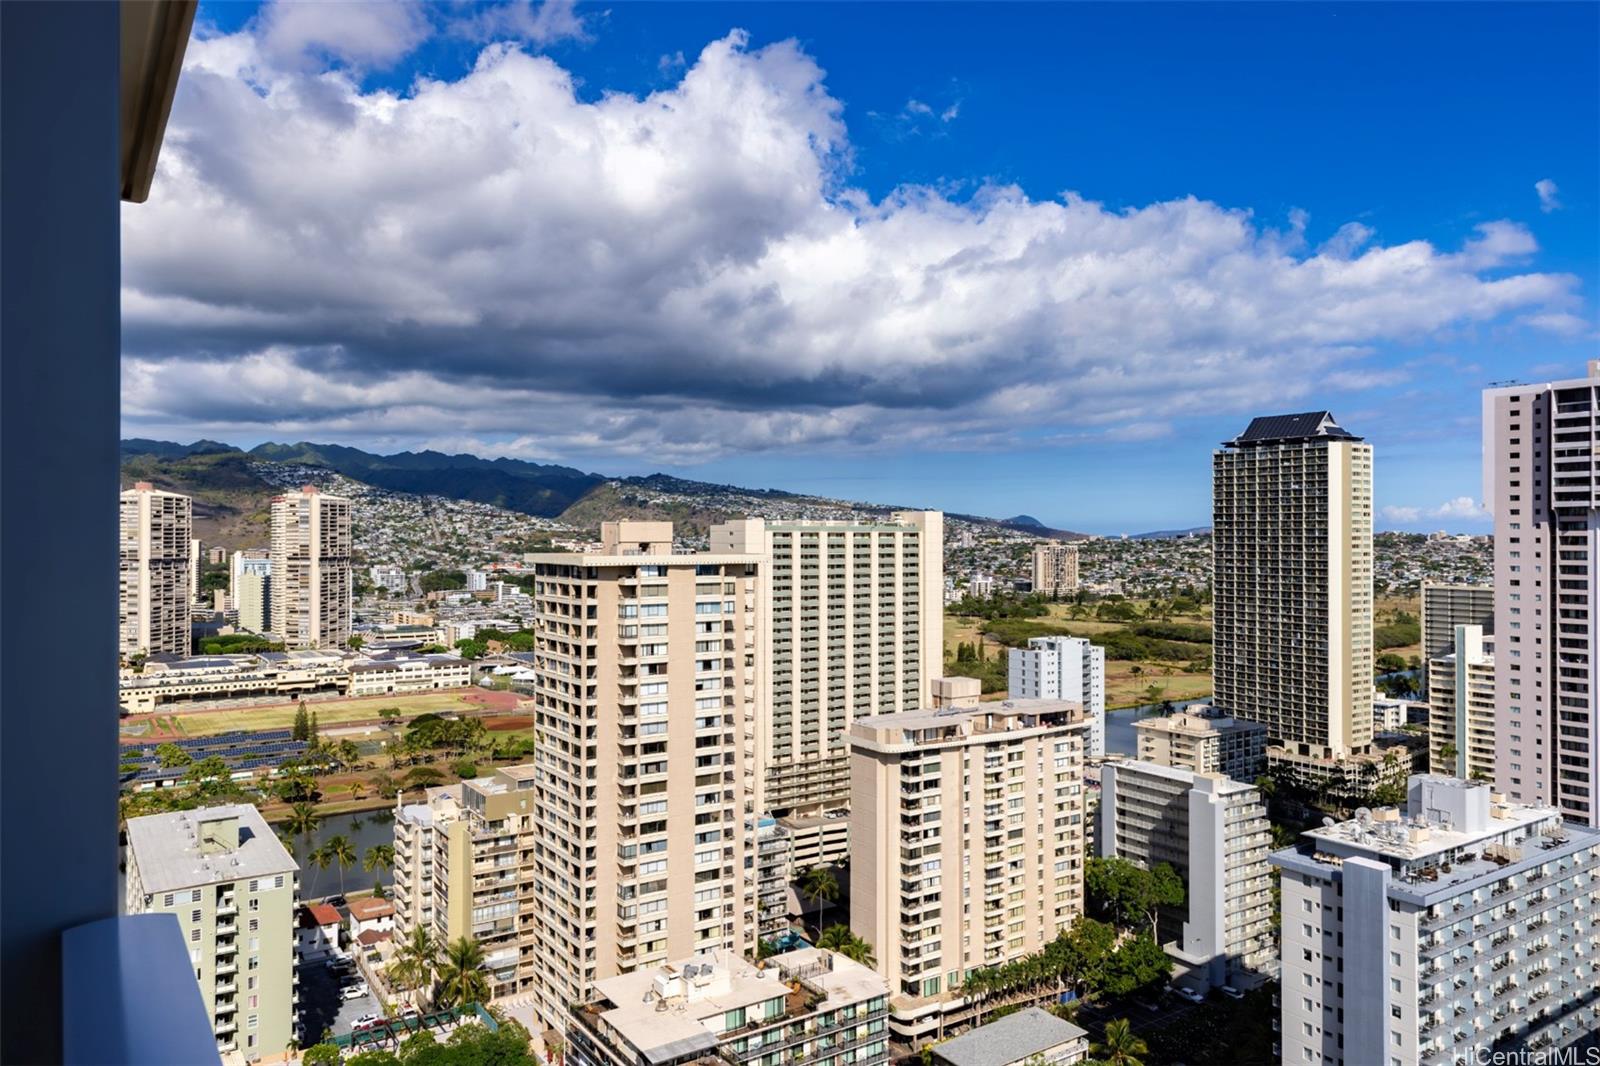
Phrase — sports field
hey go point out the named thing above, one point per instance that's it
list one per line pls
(329, 712)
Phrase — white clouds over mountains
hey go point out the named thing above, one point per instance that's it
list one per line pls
(692, 273)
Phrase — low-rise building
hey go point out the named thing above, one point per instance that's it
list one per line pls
(370, 915)
(1349, 779)
(233, 887)
(1203, 742)
(966, 845)
(415, 673)
(1461, 720)
(317, 933)
(1215, 834)
(1460, 925)
(1031, 1037)
(809, 1006)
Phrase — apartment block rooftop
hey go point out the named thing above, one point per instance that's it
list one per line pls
(931, 726)
(1451, 832)
(1278, 429)
(190, 849)
(674, 1010)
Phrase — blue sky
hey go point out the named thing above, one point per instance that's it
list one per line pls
(849, 264)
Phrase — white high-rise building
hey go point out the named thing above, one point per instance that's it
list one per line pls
(1461, 707)
(1055, 568)
(856, 628)
(1541, 474)
(1435, 935)
(390, 578)
(1064, 668)
(196, 557)
(154, 564)
(311, 575)
(1292, 603)
(250, 588)
(477, 581)
(1214, 832)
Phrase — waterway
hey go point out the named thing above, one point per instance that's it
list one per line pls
(365, 829)
(1122, 738)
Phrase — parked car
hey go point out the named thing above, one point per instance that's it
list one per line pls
(366, 1020)
(355, 991)
(337, 901)
(1231, 992)
(1190, 994)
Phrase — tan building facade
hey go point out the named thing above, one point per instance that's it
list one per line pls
(1541, 456)
(649, 690)
(1292, 604)
(1055, 568)
(966, 845)
(1203, 744)
(1461, 727)
(154, 572)
(856, 615)
(233, 887)
(311, 588)
(464, 867)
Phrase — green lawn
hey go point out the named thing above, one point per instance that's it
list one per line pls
(329, 712)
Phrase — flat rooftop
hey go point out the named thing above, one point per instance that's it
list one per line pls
(671, 1010)
(167, 849)
(1010, 1039)
(960, 723)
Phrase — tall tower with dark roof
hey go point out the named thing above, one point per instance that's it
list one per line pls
(1292, 545)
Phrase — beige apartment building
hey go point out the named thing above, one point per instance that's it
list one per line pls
(1055, 568)
(1541, 475)
(1204, 743)
(1461, 726)
(154, 572)
(856, 613)
(464, 866)
(249, 587)
(966, 845)
(1446, 606)
(311, 574)
(1214, 833)
(1292, 604)
(233, 887)
(649, 690)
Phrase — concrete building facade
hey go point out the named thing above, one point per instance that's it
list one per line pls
(311, 576)
(1541, 472)
(1292, 604)
(966, 845)
(465, 860)
(650, 685)
(154, 572)
(1055, 568)
(1203, 742)
(1462, 925)
(250, 589)
(1063, 668)
(856, 623)
(1214, 832)
(1446, 606)
(234, 888)
(809, 1006)
(1461, 727)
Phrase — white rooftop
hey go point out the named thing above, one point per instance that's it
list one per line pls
(167, 848)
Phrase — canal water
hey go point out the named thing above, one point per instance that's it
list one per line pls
(365, 829)
(1121, 738)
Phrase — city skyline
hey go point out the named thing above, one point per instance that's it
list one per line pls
(1201, 270)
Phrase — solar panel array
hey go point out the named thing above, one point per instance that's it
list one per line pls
(240, 750)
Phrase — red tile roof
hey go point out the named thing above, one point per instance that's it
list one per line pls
(367, 908)
(373, 936)
(323, 913)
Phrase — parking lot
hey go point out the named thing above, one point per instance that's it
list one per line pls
(322, 1007)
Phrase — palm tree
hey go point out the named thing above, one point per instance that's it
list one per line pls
(835, 938)
(1120, 1046)
(303, 819)
(379, 857)
(819, 886)
(356, 790)
(417, 959)
(859, 950)
(461, 976)
(339, 849)
(555, 1049)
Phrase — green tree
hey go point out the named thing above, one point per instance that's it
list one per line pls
(340, 850)
(416, 960)
(355, 642)
(303, 819)
(172, 756)
(461, 976)
(388, 715)
(301, 729)
(322, 1055)
(379, 857)
(1120, 1046)
(820, 886)
(1137, 963)
(472, 649)
(315, 739)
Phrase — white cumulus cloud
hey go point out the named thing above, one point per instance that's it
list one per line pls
(1549, 195)
(691, 273)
